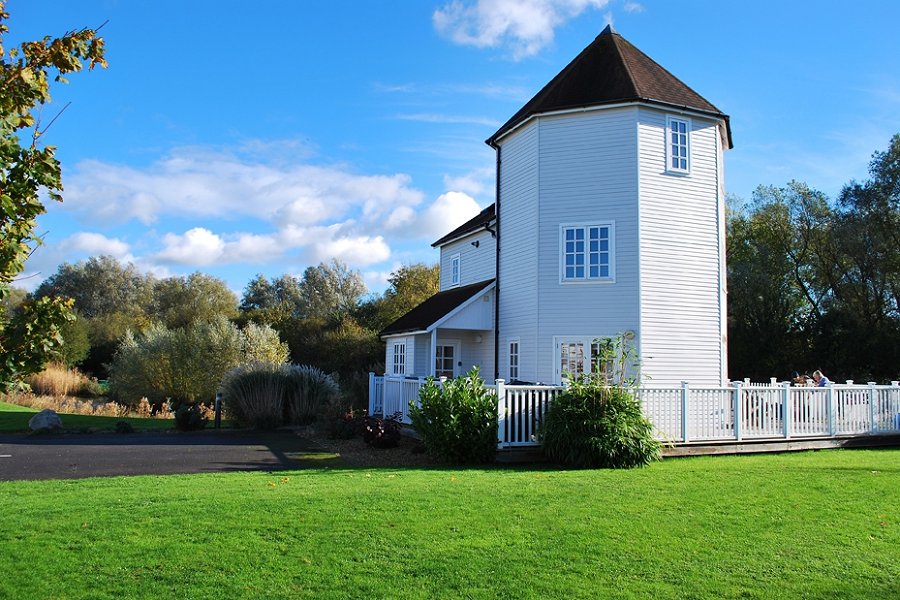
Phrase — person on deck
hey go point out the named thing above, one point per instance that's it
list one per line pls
(820, 379)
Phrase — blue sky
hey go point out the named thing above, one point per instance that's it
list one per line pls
(237, 138)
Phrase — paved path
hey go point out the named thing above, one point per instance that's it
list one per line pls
(73, 456)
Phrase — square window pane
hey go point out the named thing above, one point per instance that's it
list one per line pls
(595, 271)
(604, 245)
(570, 234)
(594, 245)
(579, 234)
(579, 272)
(604, 271)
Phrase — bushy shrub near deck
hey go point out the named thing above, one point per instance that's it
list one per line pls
(265, 396)
(594, 426)
(457, 420)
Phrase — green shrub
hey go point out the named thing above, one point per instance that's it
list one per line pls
(595, 425)
(189, 417)
(310, 393)
(186, 365)
(457, 421)
(254, 395)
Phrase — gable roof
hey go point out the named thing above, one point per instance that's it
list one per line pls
(610, 71)
(423, 316)
(480, 221)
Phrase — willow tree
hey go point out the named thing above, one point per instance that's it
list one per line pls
(28, 166)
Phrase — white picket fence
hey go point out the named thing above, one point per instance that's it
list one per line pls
(687, 414)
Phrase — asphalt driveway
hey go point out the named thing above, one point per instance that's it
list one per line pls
(74, 456)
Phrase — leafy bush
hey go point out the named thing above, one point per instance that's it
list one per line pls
(186, 365)
(190, 417)
(457, 421)
(382, 432)
(310, 392)
(596, 425)
(254, 395)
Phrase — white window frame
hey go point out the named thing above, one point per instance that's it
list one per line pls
(455, 270)
(678, 145)
(398, 358)
(514, 367)
(588, 349)
(456, 355)
(610, 277)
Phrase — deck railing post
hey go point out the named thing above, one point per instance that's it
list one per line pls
(831, 424)
(738, 413)
(372, 393)
(894, 405)
(685, 391)
(502, 413)
(786, 409)
(872, 397)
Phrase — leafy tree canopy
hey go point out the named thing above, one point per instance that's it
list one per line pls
(28, 336)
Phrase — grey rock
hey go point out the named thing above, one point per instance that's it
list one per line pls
(46, 420)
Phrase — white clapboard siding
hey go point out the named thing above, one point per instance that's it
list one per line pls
(680, 257)
(476, 263)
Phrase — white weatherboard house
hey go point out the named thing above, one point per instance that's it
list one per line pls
(609, 219)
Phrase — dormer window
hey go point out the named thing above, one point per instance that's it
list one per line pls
(678, 145)
(454, 269)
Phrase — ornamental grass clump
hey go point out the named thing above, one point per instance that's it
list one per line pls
(457, 420)
(597, 422)
(310, 393)
(254, 395)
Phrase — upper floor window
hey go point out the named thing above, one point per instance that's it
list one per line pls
(454, 269)
(678, 145)
(587, 252)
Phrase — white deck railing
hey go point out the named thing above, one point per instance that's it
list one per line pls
(689, 414)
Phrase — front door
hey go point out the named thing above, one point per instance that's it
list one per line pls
(445, 359)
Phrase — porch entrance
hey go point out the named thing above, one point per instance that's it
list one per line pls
(445, 360)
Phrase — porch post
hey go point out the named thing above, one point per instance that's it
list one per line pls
(830, 389)
(738, 413)
(872, 396)
(432, 369)
(684, 411)
(371, 393)
(786, 412)
(501, 413)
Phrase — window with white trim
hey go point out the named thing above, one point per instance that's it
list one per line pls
(513, 359)
(444, 359)
(678, 145)
(399, 358)
(577, 355)
(587, 252)
(454, 269)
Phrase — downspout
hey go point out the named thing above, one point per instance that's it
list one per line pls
(497, 272)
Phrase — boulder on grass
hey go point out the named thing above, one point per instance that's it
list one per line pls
(44, 421)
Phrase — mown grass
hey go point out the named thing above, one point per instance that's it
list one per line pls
(14, 419)
(804, 525)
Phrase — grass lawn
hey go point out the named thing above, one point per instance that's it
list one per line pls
(14, 419)
(804, 525)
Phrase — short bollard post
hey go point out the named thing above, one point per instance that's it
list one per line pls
(217, 423)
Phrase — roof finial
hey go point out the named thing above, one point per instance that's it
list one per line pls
(608, 30)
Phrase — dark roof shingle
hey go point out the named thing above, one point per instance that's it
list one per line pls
(611, 70)
(432, 310)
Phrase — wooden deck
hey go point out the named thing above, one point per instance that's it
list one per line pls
(792, 445)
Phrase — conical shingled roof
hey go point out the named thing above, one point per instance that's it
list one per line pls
(609, 71)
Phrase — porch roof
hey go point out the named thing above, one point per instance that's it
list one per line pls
(434, 310)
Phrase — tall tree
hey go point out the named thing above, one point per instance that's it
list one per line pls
(26, 169)
(330, 290)
(181, 301)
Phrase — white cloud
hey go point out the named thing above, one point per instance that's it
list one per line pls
(524, 26)
(357, 251)
(95, 244)
(447, 213)
(474, 183)
(198, 246)
(453, 119)
(202, 182)
(634, 7)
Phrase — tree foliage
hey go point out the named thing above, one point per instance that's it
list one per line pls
(181, 301)
(26, 168)
(816, 284)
